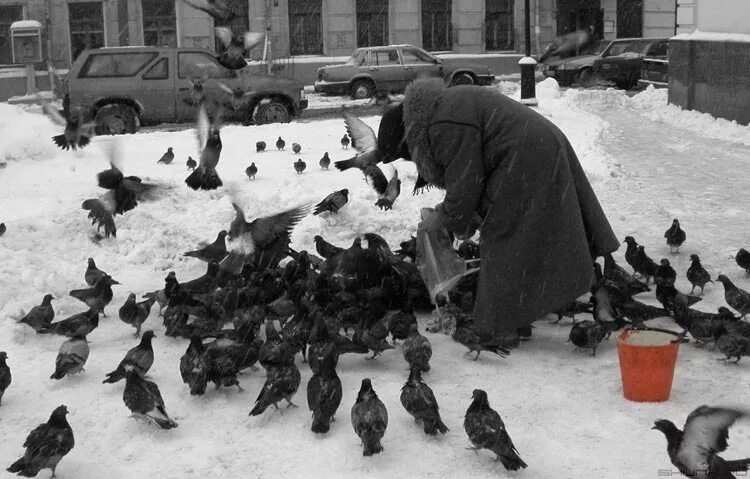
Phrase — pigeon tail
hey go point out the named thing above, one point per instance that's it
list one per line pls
(203, 178)
(115, 376)
(63, 143)
(512, 461)
(432, 427)
(24, 468)
(260, 407)
(344, 165)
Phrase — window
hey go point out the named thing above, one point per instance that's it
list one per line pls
(357, 58)
(659, 49)
(436, 25)
(86, 22)
(115, 64)
(372, 23)
(617, 48)
(8, 15)
(160, 71)
(412, 57)
(305, 27)
(384, 58)
(159, 23)
(199, 65)
(499, 24)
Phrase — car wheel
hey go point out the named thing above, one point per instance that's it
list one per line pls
(623, 84)
(584, 77)
(362, 89)
(462, 79)
(272, 112)
(116, 119)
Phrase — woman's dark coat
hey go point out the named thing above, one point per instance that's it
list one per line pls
(542, 223)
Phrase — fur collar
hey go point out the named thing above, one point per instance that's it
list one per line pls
(420, 100)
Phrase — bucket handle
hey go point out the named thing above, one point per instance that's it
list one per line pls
(680, 336)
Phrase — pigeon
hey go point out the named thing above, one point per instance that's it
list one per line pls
(282, 382)
(260, 146)
(5, 375)
(324, 343)
(631, 252)
(280, 144)
(364, 140)
(167, 157)
(470, 337)
(325, 161)
(417, 350)
(675, 236)
(296, 148)
(237, 96)
(193, 366)
(737, 298)
(93, 274)
(197, 96)
(486, 430)
(97, 296)
(571, 309)
(191, 163)
(326, 249)
(732, 345)
(694, 450)
(135, 313)
(264, 240)
(392, 190)
(299, 166)
(645, 266)
(587, 334)
(213, 252)
(251, 171)
(697, 274)
(72, 355)
(4, 228)
(665, 273)
(614, 272)
(419, 401)
(324, 392)
(219, 10)
(40, 316)
(68, 326)
(333, 202)
(369, 418)
(205, 176)
(236, 48)
(345, 141)
(77, 133)
(144, 400)
(400, 323)
(742, 258)
(46, 445)
(138, 359)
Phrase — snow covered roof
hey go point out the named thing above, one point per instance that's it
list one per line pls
(25, 24)
(713, 36)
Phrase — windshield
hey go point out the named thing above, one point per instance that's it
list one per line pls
(356, 58)
(618, 48)
(599, 46)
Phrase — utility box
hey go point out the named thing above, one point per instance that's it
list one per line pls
(26, 38)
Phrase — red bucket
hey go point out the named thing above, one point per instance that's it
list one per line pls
(647, 362)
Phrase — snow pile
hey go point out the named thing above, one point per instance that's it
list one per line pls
(25, 135)
(548, 89)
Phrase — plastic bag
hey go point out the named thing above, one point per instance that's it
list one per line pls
(437, 261)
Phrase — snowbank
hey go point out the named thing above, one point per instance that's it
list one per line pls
(25, 135)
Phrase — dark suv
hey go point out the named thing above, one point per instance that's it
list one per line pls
(624, 68)
(124, 87)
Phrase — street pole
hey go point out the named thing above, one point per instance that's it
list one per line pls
(267, 44)
(527, 63)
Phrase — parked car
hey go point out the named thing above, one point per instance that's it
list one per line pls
(391, 68)
(655, 69)
(624, 69)
(124, 87)
(579, 69)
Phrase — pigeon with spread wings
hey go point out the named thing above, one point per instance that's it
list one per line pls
(364, 141)
(205, 176)
(77, 134)
(237, 97)
(236, 47)
(262, 242)
(123, 194)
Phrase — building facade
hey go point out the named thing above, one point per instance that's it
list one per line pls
(331, 27)
(709, 61)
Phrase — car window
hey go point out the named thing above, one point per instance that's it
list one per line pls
(618, 48)
(115, 64)
(160, 71)
(199, 65)
(658, 49)
(415, 56)
(357, 58)
(385, 57)
(636, 47)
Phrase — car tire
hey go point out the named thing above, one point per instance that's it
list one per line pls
(362, 89)
(116, 119)
(462, 79)
(272, 112)
(623, 84)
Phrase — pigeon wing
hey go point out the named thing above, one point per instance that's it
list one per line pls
(363, 137)
(224, 34)
(100, 213)
(252, 39)
(202, 125)
(377, 179)
(265, 230)
(706, 433)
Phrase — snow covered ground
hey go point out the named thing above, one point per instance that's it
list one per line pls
(648, 162)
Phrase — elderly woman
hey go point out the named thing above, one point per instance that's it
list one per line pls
(512, 174)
